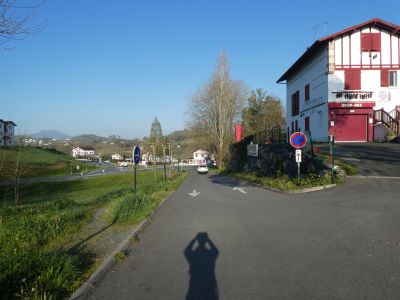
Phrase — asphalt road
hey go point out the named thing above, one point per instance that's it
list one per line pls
(226, 243)
(371, 159)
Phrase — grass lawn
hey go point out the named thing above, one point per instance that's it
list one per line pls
(37, 259)
(284, 182)
(37, 162)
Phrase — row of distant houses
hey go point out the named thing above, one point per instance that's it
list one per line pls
(199, 157)
(7, 137)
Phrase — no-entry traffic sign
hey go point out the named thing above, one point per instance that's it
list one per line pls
(298, 140)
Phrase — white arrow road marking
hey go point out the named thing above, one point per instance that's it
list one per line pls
(194, 193)
(240, 190)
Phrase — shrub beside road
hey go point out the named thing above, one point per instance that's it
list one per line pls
(42, 254)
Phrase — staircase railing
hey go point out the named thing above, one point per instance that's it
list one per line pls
(390, 120)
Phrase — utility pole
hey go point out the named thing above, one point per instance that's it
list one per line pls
(171, 163)
(154, 160)
(165, 167)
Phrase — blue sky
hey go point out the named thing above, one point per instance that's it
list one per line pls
(110, 67)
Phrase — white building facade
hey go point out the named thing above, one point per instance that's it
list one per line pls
(347, 85)
(7, 136)
(200, 157)
(82, 152)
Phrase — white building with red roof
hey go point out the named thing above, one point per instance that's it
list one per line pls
(347, 85)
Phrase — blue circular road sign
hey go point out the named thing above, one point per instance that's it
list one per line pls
(298, 140)
(136, 154)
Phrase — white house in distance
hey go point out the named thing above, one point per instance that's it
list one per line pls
(7, 137)
(200, 157)
(346, 84)
(82, 151)
(117, 156)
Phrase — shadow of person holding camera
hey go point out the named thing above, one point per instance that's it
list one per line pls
(203, 283)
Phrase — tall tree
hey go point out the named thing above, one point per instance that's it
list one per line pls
(18, 19)
(156, 131)
(262, 114)
(216, 107)
(156, 136)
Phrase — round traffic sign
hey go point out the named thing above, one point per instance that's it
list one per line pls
(136, 154)
(298, 139)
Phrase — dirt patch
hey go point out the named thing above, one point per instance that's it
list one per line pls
(99, 237)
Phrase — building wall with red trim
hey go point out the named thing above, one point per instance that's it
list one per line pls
(350, 55)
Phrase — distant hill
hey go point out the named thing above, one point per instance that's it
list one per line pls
(88, 137)
(51, 134)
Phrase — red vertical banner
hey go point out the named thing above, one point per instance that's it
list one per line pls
(238, 132)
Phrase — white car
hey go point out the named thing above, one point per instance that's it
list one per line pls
(202, 169)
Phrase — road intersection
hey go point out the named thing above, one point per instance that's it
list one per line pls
(222, 243)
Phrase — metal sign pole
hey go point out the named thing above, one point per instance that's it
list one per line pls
(136, 160)
(333, 156)
(134, 181)
(298, 173)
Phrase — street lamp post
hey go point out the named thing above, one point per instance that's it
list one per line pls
(179, 162)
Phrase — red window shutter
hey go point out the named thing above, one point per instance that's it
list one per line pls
(376, 42)
(366, 42)
(384, 78)
(348, 79)
(356, 79)
(352, 79)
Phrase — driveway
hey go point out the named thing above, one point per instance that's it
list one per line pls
(237, 241)
(372, 159)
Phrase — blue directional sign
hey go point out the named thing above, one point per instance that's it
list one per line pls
(298, 140)
(136, 154)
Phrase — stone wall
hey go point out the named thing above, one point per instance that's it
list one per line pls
(273, 161)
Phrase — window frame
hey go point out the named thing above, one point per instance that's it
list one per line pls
(395, 83)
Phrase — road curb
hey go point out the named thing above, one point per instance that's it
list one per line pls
(302, 191)
(89, 285)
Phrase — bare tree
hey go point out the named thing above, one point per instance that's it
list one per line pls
(216, 107)
(18, 19)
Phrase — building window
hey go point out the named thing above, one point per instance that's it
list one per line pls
(352, 79)
(307, 123)
(296, 103)
(371, 42)
(393, 78)
(307, 92)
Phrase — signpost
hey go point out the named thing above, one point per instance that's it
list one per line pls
(136, 159)
(298, 140)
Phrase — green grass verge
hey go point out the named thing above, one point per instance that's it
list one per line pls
(349, 168)
(284, 182)
(37, 260)
(37, 162)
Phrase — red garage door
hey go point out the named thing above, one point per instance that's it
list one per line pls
(351, 128)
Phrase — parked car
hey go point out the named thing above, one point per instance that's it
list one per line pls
(202, 169)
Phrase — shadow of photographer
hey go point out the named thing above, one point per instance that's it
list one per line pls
(202, 258)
